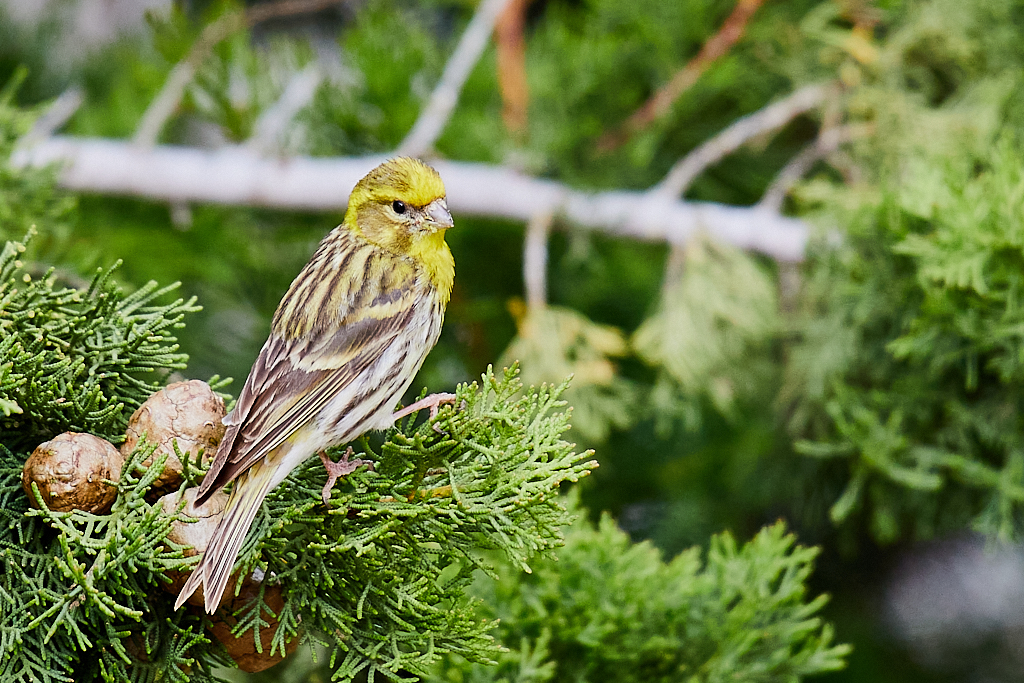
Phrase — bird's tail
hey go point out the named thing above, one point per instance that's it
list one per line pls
(214, 569)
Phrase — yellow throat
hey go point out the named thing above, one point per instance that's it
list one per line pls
(434, 256)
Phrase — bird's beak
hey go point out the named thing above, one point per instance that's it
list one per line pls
(439, 215)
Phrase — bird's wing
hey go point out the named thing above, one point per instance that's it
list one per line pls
(308, 360)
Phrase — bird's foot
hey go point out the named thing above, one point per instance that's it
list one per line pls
(342, 468)
(434, 402)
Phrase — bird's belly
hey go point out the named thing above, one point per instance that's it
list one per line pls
(368, 402)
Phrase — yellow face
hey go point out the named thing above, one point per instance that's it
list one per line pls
(397, 204)
(401, 206)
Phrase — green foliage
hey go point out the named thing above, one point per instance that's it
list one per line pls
(560, 342)
(391, 61)
(79, 360)
(580, 48)
(612, 610)
(379, 577)
(915, 358)
(905, 376)
(27, 196)
(384, 570)
(78, 589)
(709, 335)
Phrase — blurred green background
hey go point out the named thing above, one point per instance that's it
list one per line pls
(870, 396)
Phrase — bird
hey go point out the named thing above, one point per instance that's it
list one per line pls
(346, 342)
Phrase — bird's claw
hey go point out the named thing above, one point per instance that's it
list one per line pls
(342, 468)
(434, 402)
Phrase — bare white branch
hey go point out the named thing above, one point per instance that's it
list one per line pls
(712, 151)
(829, 140)
(164, 104)
(439, 108)
(237, 175)
(55, 116)
(535, 259)
(270, 126)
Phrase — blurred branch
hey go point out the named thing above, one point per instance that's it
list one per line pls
(266, 11)
(237, 175)
(829, 140)
(770, 118)
(439, 108)
(675, 266)
(510, 46)
(55, 116)
(166, 102)
(271, 125)
(535, 259)
(658, 105)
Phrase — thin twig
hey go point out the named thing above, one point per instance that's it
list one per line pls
(266, 11)
(55, 116)
(660, 102)
(439, 108)
(166, 102)
(236, 175)
(675, 266)
(535, 259)
(510, 49)
(828, 141)
(790, 283)
(770, 118)
(271, 125)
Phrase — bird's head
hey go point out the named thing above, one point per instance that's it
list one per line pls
(401, 206)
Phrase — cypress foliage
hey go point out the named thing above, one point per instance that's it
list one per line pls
(379, 577)
(910, 371)
(612, 610)
(76, 360)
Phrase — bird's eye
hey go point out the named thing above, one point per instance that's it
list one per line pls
(398, 206)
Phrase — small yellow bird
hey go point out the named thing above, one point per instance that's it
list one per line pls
(346, 341)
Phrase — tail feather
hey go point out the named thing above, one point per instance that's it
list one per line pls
(214, 569)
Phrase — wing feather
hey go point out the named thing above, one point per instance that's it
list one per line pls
(312, 355)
